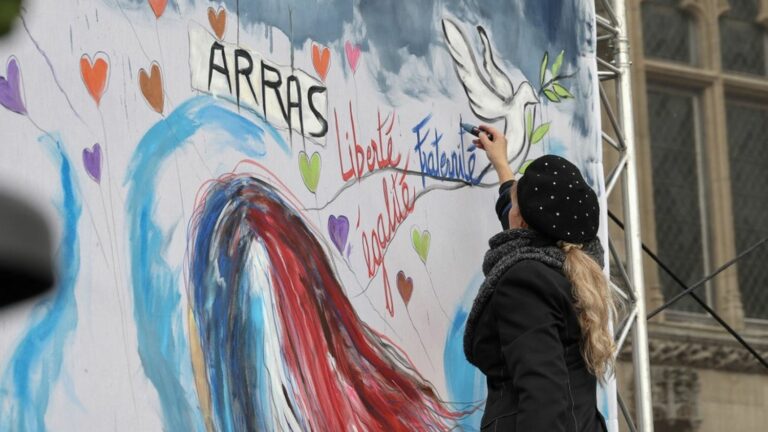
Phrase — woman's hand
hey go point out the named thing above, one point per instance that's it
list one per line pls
(495, 149)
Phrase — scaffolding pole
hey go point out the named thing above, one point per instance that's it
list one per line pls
(611, 20)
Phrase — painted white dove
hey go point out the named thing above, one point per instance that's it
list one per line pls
(492, 100)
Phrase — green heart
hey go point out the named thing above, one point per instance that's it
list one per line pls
(421, 243)
(310, 170)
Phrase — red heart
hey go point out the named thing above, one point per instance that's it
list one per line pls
(95, 74)
(158, 6)
(405, 286)
(321, 60)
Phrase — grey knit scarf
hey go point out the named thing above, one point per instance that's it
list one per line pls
(506, 249)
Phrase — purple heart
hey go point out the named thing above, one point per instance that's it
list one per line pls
(92, 162)
(10, 89)
(338, 228)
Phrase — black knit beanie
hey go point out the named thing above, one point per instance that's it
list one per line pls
(555, 200)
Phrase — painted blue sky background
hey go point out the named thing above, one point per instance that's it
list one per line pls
(521, 31)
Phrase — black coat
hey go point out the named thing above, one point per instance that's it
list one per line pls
(527, 344)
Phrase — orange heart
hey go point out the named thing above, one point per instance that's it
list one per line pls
(218, 21)
(405, 286)
(95, 74)
(158, 6)
(152, 87)
(321, 60)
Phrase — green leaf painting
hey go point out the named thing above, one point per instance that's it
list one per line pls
(561, 91)
(558, 62)
(524, 166)
(553, 90)
(528, 123)
(539, 133)
(552, 96)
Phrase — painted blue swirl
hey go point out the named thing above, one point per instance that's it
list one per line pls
(158, 315)
(34, 367)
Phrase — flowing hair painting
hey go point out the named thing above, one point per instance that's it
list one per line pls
(276, 344)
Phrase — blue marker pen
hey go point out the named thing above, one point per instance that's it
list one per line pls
(474, 130)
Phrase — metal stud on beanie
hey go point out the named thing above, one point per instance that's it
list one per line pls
(555, 200)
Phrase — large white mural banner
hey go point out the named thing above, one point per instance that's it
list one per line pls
(266, 213)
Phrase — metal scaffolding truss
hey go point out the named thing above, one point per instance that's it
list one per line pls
(613, 66)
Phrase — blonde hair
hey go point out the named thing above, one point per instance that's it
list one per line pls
(594, 304)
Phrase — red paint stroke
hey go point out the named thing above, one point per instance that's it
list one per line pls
(399, 202)
(357, 225)
(377, 154)
(344, 375)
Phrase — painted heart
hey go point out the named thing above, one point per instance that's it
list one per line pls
(321, 58)
(338, 228)
(92, 162)
(420, 242)
(310, 170)
(10, 88)
(218, 21)
(95, 74)
(158, 6)
(405, 287)
(353, 55)
(152, 87)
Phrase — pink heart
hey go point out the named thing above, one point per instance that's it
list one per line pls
(10, 88)
(92, 162)
(353, 54)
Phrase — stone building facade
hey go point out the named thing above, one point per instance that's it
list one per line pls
(700, 71)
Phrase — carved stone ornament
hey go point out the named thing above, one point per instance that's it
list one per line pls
(702, 354)
(696, 6)
(675, 399)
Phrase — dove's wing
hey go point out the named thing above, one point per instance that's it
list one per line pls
(499, 79)
(483, 100)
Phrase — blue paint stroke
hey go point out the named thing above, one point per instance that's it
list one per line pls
(602, 402)
(35, 365)
(450, 163)
(557, 147)
(465, 382)
(163, 347)
(239, 386)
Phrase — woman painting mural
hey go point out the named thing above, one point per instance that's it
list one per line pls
(277, 346)
(538, 328)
